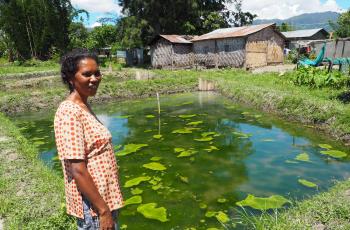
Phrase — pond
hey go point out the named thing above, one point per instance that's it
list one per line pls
(207, 154)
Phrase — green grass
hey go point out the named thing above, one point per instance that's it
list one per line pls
(31, 195)
(28, 67)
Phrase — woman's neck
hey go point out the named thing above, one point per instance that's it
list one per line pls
(77, 98)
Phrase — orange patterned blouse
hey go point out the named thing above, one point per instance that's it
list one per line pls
(79, 135)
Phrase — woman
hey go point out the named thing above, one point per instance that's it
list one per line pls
(85, 148)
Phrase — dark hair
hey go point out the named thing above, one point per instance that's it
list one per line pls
(70, 62)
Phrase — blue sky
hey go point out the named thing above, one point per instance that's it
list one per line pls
(263, 8)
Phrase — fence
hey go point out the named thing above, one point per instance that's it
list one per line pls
(334, 48)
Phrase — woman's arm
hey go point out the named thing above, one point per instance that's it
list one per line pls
(87, 187)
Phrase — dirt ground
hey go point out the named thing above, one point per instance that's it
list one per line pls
(274, 68)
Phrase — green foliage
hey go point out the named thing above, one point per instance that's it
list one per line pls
(260, 203)
(285, 27)
(151, 212)
(101, 37)
(78, 35)
(35, 27)
(318, 78)
(342, 27)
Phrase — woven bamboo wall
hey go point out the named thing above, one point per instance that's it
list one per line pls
(161, 53)
(228, 52)
(166, 54)
(182, 55)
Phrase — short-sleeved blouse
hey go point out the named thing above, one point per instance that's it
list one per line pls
(79, 135)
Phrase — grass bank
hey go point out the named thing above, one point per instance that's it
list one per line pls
(31, 195)
(38, 94)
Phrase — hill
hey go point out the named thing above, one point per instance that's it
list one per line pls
(305, 21)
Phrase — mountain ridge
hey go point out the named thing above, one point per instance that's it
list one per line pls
(305, 21)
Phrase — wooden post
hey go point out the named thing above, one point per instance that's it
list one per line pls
(216, 55)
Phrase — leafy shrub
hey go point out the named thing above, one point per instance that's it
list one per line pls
(293, 56)
(319, 78)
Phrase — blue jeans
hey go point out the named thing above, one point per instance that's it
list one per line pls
(92, 223)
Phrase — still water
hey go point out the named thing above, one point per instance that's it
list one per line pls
(233, 151)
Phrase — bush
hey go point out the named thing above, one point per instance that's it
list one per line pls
(319, 78)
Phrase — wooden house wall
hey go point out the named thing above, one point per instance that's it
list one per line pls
(263, 48)
(161, 53)
(220, 52)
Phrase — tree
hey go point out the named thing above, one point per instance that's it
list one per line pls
(78, 35)
(240, 18)
(342, 27)
(101, 37)
(284, 27)
(36, 27)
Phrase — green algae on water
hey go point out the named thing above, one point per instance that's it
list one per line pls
(303, 157)
(334, 153)
(325, 146)
(154, 166)
(133, 200)
(136, 191)
(136, 181)
(307, 183)
(130, 148)
(151, 212)
(260, 203)
(204, 139)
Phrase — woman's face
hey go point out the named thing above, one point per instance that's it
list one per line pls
(87, 78)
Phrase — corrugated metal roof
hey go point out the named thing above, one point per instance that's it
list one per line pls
(302, 33)
(232, 32)
(175, 39)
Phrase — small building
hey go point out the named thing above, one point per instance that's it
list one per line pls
(171, 51)
(297, 38)
(247, 46)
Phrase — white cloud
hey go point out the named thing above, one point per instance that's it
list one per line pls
(95, 24)
(98, 6)
(282, 9)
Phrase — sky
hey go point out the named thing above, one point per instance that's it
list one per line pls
(265, 9)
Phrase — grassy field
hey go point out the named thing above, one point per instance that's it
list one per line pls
(326, 109)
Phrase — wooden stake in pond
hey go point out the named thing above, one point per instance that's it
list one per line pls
(158, 113)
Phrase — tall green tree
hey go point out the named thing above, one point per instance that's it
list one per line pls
(179, 17)
(342, 26)
(101, 37)
(284, 27)
(36, 26)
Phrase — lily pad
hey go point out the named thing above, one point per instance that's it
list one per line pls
(157, 186)
(156, 158)
(136, 191)
(222, 217)
(303, 157)
(204, 139)
(158, 136)
(148, 130)
(136, 181)
(203, 206)
(130, 148)
(184, 179)
(325, 146)
(123, 227)
(242, 135)
(154, 166)
(211, 148)
(206, 134)
(150, 116)
(184, 130)
(187, 116)
(187, 153)
(334, 153)
(260, 203)
(179, 150)
(307, 183)
(133, 200)
(151, 212)
(194, 123)
(222, 200)
(210, 214)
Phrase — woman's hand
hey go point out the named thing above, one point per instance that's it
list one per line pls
(106, 221)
